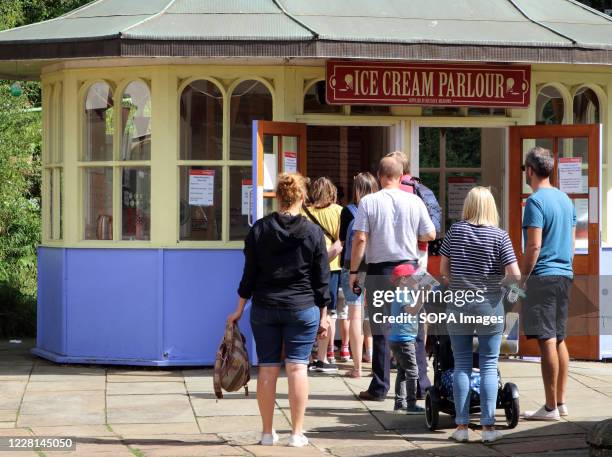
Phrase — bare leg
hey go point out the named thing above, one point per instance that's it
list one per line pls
(356, 336)
(550, 370)
(367, 339)
(266, 395)
(563, 355)
(331, 332)
(322, 344)
(298, 395)
(345, 329)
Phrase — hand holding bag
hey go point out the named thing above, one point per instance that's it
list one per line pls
(232, 367)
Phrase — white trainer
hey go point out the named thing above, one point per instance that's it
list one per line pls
(542, 414)
(460, 436)
(297, 441)
(488, 436)
(269, 439)
(563, 410)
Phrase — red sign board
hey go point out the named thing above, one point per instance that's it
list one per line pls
(388, 83)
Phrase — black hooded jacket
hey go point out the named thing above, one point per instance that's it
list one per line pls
(286, 264)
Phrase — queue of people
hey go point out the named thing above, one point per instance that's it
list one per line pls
(298, 258)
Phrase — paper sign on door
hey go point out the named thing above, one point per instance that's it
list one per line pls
(201, 187)
(290, 162)
(458, 188)
(570, 175)
(247, 186)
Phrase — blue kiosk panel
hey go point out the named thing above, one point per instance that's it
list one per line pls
(158, 307)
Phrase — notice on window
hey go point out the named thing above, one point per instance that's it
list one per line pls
(270, 171)
(201, 187)
(290, 162)
(247, 202)
(570, 175)
(458, 188)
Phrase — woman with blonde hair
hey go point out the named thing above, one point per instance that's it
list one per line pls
(325, 212)
(477, 256)
(363, 184)
(286, 276)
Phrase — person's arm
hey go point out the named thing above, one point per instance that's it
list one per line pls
(445, 269)
(426, 230)
(320, 282)
(508, 260)
(533, 246)
(512, 273)
(361, 228)
(249, 276)
(445, 254)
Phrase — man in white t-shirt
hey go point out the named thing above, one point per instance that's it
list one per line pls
(387, 227)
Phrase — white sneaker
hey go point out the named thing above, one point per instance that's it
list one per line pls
(269, 439)
(297, 441)
(542, 414)
(460, 436)
(563, 410)
(488, 436)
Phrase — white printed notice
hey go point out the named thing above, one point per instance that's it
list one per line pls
(247, 188)
(458, 188)
(290, 162)
(270, 171)
(570, 175)
(201, 187)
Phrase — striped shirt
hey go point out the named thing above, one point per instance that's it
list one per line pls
(478, 255)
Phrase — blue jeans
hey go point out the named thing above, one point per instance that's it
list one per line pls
(488, 353)
(334, 284)
(296, 329)
(350, 298)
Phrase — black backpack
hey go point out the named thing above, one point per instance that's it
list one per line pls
(428, 197)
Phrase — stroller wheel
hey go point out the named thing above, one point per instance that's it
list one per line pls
(432, 410)
(511, 405)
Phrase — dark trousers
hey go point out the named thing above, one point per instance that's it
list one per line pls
(421, 357)
(378, 278)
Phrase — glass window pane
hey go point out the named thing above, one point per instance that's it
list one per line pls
(61, 202)
(99, 125)
(457, 187)
(573, 152)
(549, 106)
(59, 124)
(429, 147)
(528, 143)
(582, 225)
(586, 106)
(50, 197)
(135, 204)
(371, 109)
(463, 147)
(241, 202)
(136, 122)
(314, 100)
(98, 203)
(201, 203)
(47, 95)
(442, 111)
(201, 121)
(474, 111)
(251, 100)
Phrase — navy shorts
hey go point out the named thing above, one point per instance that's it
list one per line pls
(296, 329)
(545, 308)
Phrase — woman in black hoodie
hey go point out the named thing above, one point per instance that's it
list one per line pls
(286, 276)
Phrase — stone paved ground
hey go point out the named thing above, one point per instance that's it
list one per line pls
(118, 412)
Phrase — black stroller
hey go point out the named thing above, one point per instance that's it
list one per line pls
(438, 398)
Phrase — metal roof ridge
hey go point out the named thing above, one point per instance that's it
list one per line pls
(550, 29)
(280, 6)
(153, 16)
(591, 10)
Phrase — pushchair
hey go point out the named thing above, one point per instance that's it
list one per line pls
(439, 397)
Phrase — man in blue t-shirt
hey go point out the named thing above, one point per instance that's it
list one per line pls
(549, 224)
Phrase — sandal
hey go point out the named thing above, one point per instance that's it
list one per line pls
(354, 374)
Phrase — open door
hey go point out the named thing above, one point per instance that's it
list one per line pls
(277, 147)
(576, 150)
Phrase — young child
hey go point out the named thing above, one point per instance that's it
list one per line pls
(402, 342)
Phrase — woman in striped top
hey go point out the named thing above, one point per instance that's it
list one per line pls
(477, 257)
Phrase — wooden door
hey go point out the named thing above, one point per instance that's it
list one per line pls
(573, 147)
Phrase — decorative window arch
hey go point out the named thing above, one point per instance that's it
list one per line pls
(98, 122)
(586, 104)
(314, 99)
(552, 104)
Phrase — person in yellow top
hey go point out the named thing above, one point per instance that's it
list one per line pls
(325, 212)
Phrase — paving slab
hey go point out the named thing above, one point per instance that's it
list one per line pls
(145, 388)
(240, 424)
(8, 415)
(449, 448)
(95, 447)
(71, 383)
(10, 424)
(339, 420)
(334, 400)
(361, 443)
(62, 408)
(80, 431)
(63, 373)
(12, 372)
(230, 405)
(148, 409)
(284, 451)
(528, 429)
(187, 449)
(536, 445)
(181, 428)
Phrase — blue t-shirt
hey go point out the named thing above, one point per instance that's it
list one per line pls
(553, 212)
(406, 331)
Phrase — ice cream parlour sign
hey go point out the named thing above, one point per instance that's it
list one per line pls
(389, 83)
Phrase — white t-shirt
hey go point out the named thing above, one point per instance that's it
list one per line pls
(393, 220)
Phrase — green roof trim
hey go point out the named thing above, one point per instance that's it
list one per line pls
(562, 30)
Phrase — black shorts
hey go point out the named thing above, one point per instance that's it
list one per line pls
(544, 310)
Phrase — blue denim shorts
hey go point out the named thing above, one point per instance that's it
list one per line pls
(350, 298)
(296, 329)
